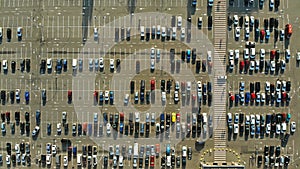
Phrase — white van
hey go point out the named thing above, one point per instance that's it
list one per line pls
(79, 160)
(74, 64)
(142, 32)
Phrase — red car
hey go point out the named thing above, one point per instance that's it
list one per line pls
(272, 54)
(70, 96)
(284, 96)
(152, 82)
(262, 34)
(96, 96)
(178, 117)
(152, 163)
(253, 97)
(242, 65)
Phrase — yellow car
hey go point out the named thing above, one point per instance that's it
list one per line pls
(173, 117)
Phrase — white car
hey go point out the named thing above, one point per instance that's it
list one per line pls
(230, 54)
(157, 54)
(237, 54)
(268, 84)
(48, 148)
(278, 128)
(272, 66)
(95, 32)
(65, 161)
(95, 160)
(247, 32)
(287, 54)
(152, 65)
(7, 159)
(152, 53)
(246, 53)
(237, 32)
(179, 21)
(177, 86)
(235, 128)
(49, 63)
(48, 159)
(101, 63)
(278, 85)
(235, 20)
(262, 54)
(108, 128)
(4, 65)
(252, 119)
(199, 86)
(182, 33)
(283, 127)
(17, 148)
(263, 97)
(256, 65)
(293, 127)
(176, 96)
(58, 126)
(283, 86)
(252, 65)
(268, 128)
(53, 149)
(112, 64)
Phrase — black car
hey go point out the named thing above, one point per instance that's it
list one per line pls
(276, 4)
(257, 86)
(266, 23)
(8, 33)
(48, 129)
(3, 97)
(118, 65)
(43, 67)
(27, 117)
(12, 96)
(79, 126)
(277, 151)
(194, 55)
(241, 21)
(147, 34)
(172, 54)
(182, 55)
(251, 87)
(271, 22)
(13, 67)
(137, 67)
(275, 35)
(148, 97)
(276, 23)
(66, 128)
(131, 87)
(169, 85)
(288, 86)
(163, 85)
(27, 65)
(8, 148)
(17, 117)
(256, 23)
(198, 66)
(210, 22)
(44, 96)
(22, 128)
(22, 65)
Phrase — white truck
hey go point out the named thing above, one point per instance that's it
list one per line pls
(136, 150)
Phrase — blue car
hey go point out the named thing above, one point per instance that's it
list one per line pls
(247, 97)
(237, 98)
(257, 129)
(267, 34)
(188, 56)
(121, 128)
(111, 97)
(27, 96)
(162, 117)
